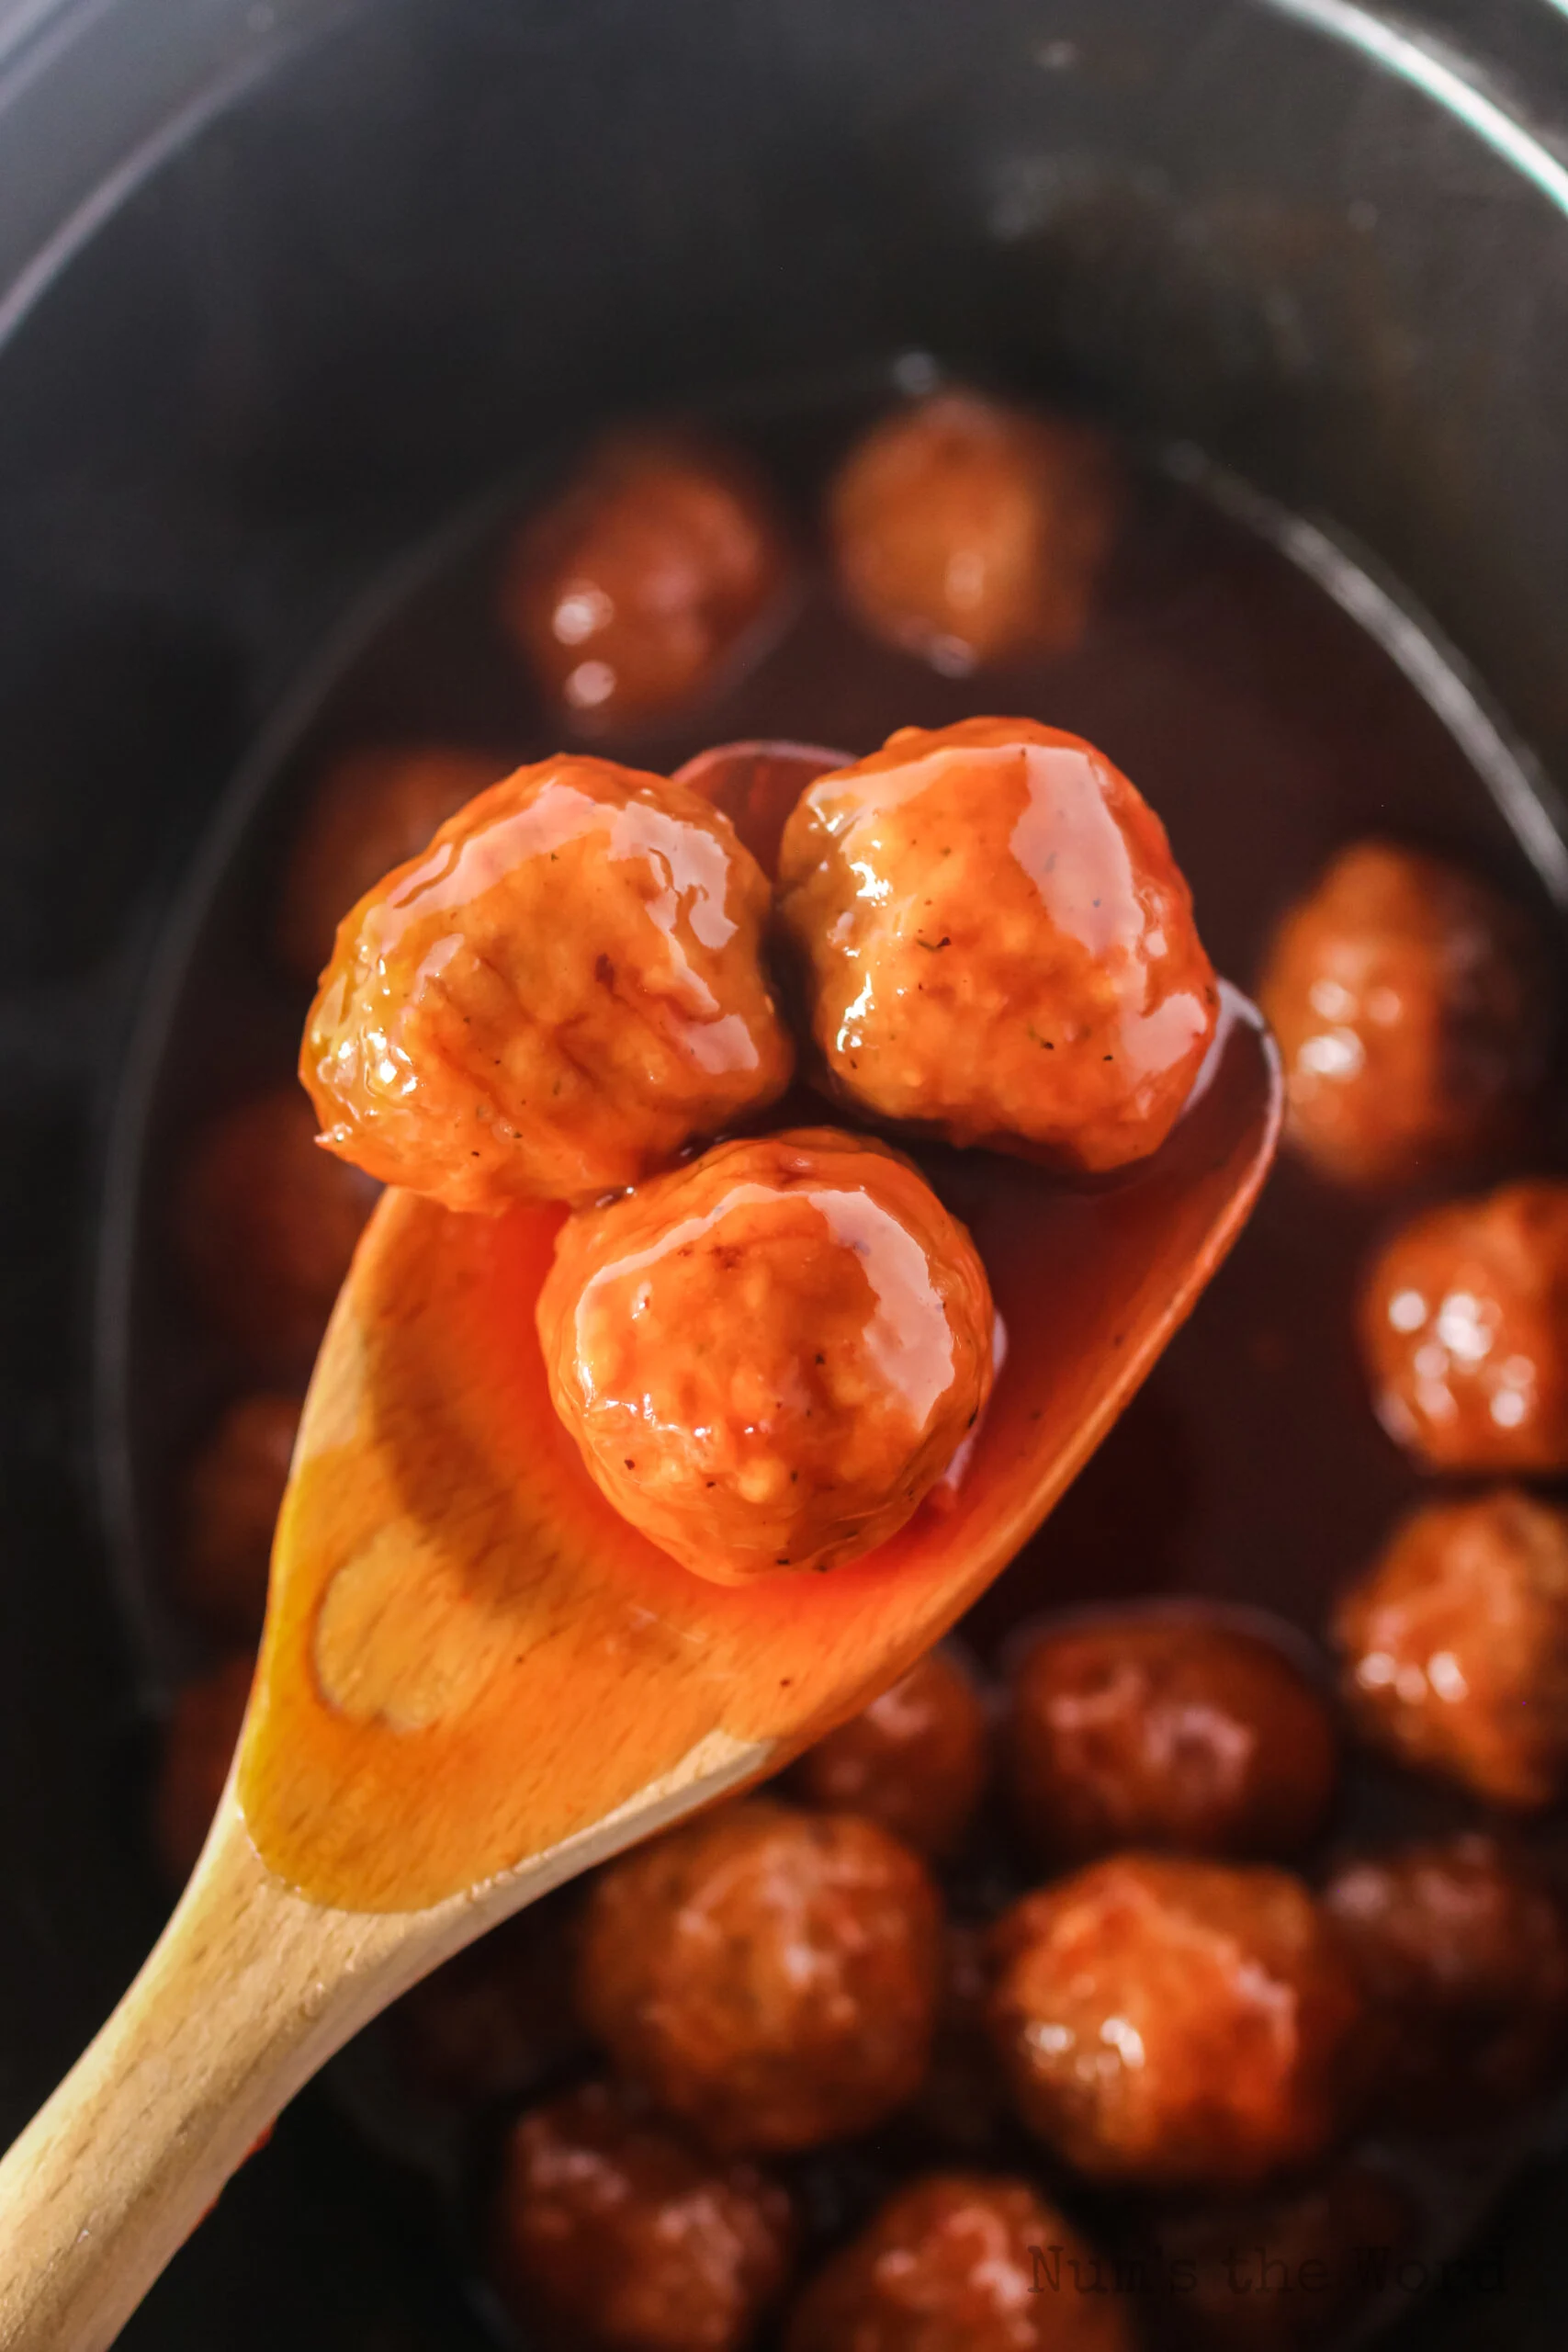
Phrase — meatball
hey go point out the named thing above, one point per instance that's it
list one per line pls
(770, 1356)
(233, 1491)
(199, 1739)
(1455, 1646)
(1281, 2273)
(1167, 1730)
(555, 999)
(770, 1976)
(996, 943)
(630, 594)
(1464, 1331)
(266, 1223)
(963, 2262)
(1169, 2022)
(493, 2021)
(914, 1760)
(1464, 1954)
(612, 2230)
(1408, 1002)
(966, 531)
(373, 810)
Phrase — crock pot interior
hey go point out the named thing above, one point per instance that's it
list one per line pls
(430, 238)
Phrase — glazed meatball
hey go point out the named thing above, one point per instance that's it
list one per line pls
(770, 1976)
(233, 1491)
(965, 531)
(632, 592)
(914, 1760)
(1167, 1730)
(1281, 2273)
(1455, 1646)
(1169, 2022)
(1464, 1331)
(198, 1745)
(769, 1357)
(496, 2019)
(373, 810)
(614, 2232)
(1464, 1954)
(1408, 1002)
(997, 945)
(266, 1223)
(562, 992)
(963, 2262)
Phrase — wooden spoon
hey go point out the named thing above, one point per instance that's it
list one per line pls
(476, 1681)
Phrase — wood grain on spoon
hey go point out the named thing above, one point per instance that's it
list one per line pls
(476, 1681)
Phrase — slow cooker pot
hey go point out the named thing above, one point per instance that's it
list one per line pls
(285, 284)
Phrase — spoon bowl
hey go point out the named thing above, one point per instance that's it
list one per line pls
(476, 1681)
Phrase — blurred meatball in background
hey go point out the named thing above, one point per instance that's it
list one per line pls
(966, 531)
(770, 1976)
(1167, 1730)
(914, 1761)
(492, 2022)
(1412, 1006)
(1455, 1646)
(631, 593)
(1464, 1332)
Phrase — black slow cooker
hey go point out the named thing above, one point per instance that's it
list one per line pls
(286, 285)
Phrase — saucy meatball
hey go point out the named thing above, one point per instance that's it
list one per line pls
(1464, 1954)
(964, 531)
(769, 1357)
(914, 1760)
(1464, 1331)
(1167, 1730)
(613, 2230)
(1407, 1000)
(1455, 1646)
(770, 1976)
(1169, 2022)
(266, 1223)
(199, 1739)
(233, 1491)
(632, 592)
(963, 2262)
(1279, 2273)
(373, 810)
(554, 1000)
(997, 945)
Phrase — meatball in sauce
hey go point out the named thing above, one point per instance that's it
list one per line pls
(1455, 1646)
(997, 945)
(914, 1760)
(1464, 1332)
(614, 2232)
(966, 531)
(631, 594)
(770, 1976)
(554, 1000)
(769, 1357)
(1408, 1002)
(1167, 1730)
(1170, 2023)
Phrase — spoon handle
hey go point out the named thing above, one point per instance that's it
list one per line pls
(247, 1993)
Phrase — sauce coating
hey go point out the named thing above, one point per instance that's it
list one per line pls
(1167, 1730)
(997, 945)
(1170, 2023)
(554, 1000)
(770, 1976)
(1455, 1646)
(1464, 1331)
(615, 2233)
(962, 2262)
(1408, 1001)
(769, 1357)
(631, 591)
(964, 531)
(914, 1761)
